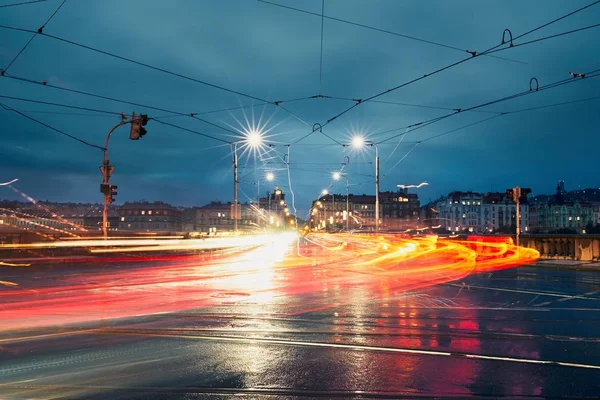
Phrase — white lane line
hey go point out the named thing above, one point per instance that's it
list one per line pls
(358, 347)
(566, 296)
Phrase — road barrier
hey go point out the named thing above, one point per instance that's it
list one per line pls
(565, 247)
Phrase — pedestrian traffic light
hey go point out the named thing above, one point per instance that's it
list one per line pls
(509, 193)
(105, 188)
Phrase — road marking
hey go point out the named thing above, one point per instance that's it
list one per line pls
(355, 347)
(566, 296)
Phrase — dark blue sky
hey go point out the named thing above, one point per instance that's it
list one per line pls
(273, 53)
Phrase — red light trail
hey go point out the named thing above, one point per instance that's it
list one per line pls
(255, 271)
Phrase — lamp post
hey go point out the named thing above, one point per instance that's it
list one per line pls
(269, 177)
(252, 139)
(358, 142)
(336, 177)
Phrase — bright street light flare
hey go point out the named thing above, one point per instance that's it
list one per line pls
(337, 176)
(358, 142)
(254, 139)
(270, 176)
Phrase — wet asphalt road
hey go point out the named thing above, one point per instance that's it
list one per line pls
(526, 332)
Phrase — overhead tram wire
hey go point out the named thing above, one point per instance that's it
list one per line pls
(549, 86)
(143, 64)
(60, 105)
(176, 113)
(381, 30)
(22, 3)
(546, 38)
(105, 112)
(52, 128)
(39, 31)
(192, 131)
(502, 99)
(321, 59)
(405, 104)
(475, 55)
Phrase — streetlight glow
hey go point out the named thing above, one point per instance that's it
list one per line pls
(358, 142)
(270, 176)
(324, 192)
(336, 176)
(254, 139)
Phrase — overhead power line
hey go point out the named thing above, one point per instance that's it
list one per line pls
(22, 3)
(60, 105)
(546, 38)
(405, 36)
(40, 29)
(52, 128)
(549, 86)
(321, 59)
(474, 55)
(192, 131)
(140, 63)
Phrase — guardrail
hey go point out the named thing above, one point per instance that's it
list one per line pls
(566, 247)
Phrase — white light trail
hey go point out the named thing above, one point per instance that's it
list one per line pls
(413, 186)
(9, 182)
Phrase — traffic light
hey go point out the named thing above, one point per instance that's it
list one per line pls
(525, 191)
(135, 131)
(143, 121)
(112, 193)
(509, 193)
(105, 188)
(137, 127)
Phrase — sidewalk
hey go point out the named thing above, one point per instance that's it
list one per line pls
(568, 264)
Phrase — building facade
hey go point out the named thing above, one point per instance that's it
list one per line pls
(480, 213)
(397, 211)
(149, 217)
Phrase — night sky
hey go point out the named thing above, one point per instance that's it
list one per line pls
(272, 53)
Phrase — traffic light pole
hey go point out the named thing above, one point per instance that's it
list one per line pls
(106, 170)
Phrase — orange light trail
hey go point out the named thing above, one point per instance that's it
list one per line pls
(256, 271)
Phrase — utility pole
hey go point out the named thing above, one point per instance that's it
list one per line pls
(235, 188)
(516, 194)
(376, 187)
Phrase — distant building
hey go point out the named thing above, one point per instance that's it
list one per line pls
(397, 211)
(480, 213)
(217, 217)
(560, 214)
(153, 217)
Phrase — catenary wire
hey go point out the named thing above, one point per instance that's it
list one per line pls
(39, 31)
(361, 101)
(22, 3)
(140, 63)
(52, 128)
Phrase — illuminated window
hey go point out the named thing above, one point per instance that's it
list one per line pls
(122, 218)
(143, 212)
(150, 212)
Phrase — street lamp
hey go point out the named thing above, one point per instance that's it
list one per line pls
(359, 142)
(254, 140)
(336, 177)
(270, 176)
